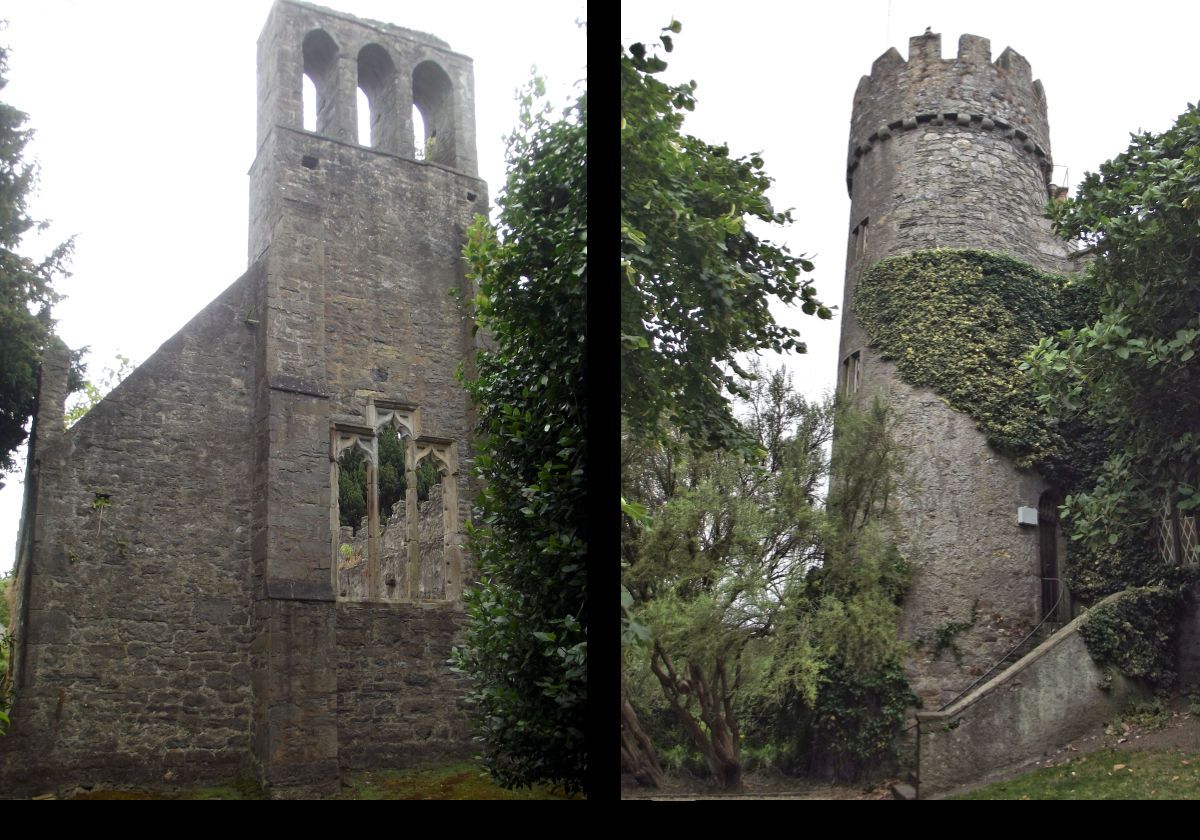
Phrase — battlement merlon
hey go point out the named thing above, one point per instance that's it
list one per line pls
(899, 95)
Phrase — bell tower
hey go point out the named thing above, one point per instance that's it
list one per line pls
(358, 242)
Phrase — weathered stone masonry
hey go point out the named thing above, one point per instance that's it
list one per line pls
(178, 609)
(951, 153)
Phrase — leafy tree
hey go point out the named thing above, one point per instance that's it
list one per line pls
(697, 282)
(696, 290)
(761, 603)
(1134, 372)
(26, 295)
(727, 539)
(93, 392)
(393, 480)
(526, 647)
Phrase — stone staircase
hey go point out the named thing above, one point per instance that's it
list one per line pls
(1039, 634)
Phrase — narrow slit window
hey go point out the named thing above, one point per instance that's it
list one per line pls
(431, 530)
(850, 373)
(418, 133)
(378, 101)
(433, 98)
(860, 239)
(320, 70)
(353, 521)
(310, 104)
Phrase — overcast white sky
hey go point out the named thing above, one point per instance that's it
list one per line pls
(780, 78)
(145, 120)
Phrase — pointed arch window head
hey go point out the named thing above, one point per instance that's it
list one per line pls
(379, 126)
(320, 68)
(433, 97)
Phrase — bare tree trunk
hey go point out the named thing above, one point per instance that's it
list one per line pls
(720, 744)
(637, 751)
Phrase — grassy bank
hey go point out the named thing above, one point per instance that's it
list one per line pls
(1106, 774)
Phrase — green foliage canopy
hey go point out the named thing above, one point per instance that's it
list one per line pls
(760, 600)
(697, 283)
(1134, 370)
(26, 295)
(526, 648)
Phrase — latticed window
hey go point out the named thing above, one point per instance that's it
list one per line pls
(1177, 535)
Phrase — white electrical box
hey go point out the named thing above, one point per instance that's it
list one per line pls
(1027, 516)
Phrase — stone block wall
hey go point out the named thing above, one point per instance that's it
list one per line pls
(973, 566)
(1051, 696)
(134, 657)
(177, 595)
(399, 705)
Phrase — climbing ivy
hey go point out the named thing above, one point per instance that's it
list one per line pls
(962, 322)
(1134, 634)
(959, 321)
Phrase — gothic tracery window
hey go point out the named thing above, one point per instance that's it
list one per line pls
(394, 509)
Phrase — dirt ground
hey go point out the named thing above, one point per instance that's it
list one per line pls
(757, 787)
(1175, 727)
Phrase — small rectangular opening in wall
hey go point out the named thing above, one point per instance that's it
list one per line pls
(860, 239)
(309, 162)
(850, 374)
(471, 196)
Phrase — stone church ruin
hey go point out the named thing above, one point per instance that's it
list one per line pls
(188, 604)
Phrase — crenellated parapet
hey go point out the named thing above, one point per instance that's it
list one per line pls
(969, 90)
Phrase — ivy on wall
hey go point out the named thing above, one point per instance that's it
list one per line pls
(960, 322)
(1134, 634)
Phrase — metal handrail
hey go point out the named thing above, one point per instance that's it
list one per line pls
(1052, 611)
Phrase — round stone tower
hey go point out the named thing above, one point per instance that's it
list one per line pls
(952, 153)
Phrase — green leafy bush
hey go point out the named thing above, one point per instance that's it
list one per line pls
(526, 645)
(856, 719)
(1134, 634)
(1131, 368)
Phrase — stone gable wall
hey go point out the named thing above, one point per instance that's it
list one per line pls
(135, 660)
(178, 559)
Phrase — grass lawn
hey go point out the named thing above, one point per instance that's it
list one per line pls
(1106, 774)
